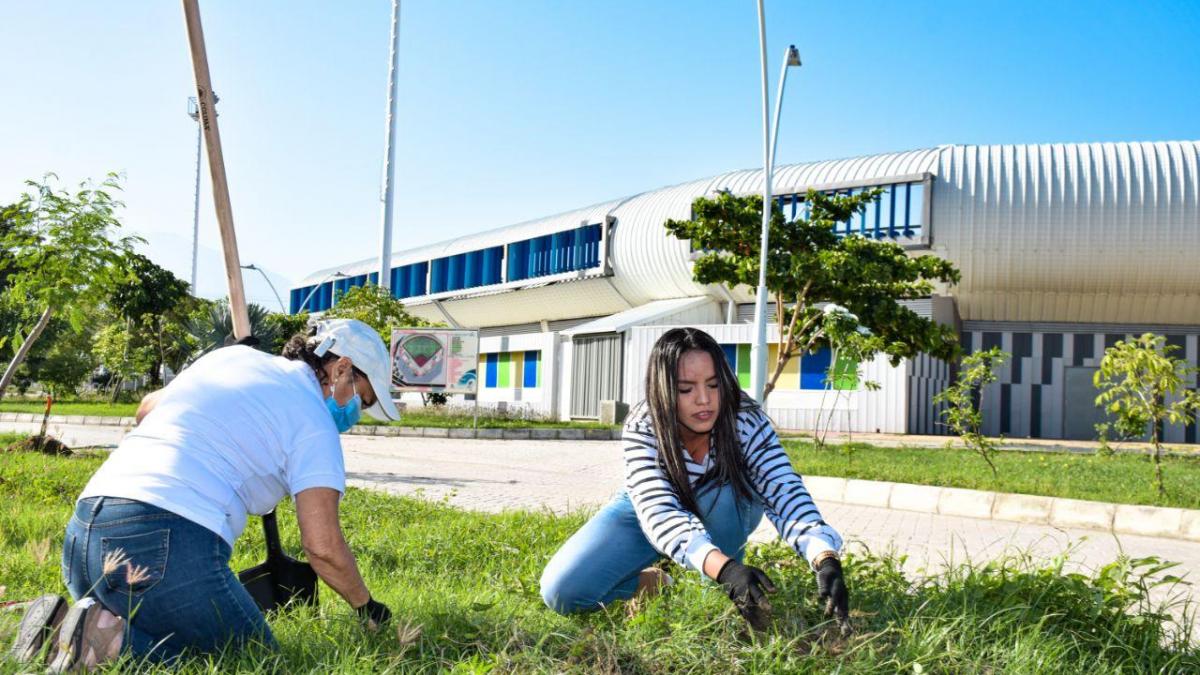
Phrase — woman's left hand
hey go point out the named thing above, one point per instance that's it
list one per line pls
(342, 384)
(831, 587)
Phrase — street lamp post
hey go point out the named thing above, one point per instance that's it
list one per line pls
(194, 113)
(389, 166)
(252, 266)
(758, 350)
(335, 275)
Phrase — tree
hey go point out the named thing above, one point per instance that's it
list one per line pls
(120, 351)
(62, 256)
(154, 305)
(808, 265)
(1143, 386)
(212, 327)
(61, 361)
(376, 307)
(284, 326)
(964, 401)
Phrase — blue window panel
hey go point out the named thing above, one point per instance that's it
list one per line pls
(326, 296)
(890, 216)
(560, 247)
(592, 258)
(417, 274)
(529, 377)
(473, 269)
(438, 278)
(916, 208)
(293, 301)
(489, 378)
(579, 248)
(490, 268)
(539, 256)
(454, 273)
(518, 260)
(902, 208)
(882, 214)
(731, 356)
(373, 277)
(813, 368)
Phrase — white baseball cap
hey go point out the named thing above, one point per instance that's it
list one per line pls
(360, 342)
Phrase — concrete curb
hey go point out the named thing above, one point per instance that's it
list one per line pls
(1147, 521)
(89, 420)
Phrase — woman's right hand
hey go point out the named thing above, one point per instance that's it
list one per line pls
(374, 613)
(747, 587)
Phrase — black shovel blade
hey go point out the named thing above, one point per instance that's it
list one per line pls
(281, 579)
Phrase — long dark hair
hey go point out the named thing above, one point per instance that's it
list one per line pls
(302, 347)
(662, 382)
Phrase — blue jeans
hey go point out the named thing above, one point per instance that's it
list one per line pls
(188, 597)
(600, 563)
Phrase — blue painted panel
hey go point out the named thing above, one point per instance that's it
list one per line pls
(813, 368)
(489, 380)
(529, 377)
(730, 356)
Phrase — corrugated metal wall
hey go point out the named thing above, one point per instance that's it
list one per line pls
(1078, 233)
(595, 373)
(863, 411)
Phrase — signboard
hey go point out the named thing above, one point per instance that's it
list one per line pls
(441, 360)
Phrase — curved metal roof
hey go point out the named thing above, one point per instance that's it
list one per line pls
(1100, 232)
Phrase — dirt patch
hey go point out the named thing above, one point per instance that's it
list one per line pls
(44, 444)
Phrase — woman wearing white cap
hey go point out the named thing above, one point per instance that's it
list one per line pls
(146, 555)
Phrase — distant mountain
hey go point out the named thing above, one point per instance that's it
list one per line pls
(175, 253)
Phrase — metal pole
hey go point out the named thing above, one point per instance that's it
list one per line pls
(196, 206)
(337, 275)
(791, 57)
(758, 350)
(278, 299)
(389, 167)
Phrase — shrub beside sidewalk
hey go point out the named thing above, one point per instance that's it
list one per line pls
(465, 590)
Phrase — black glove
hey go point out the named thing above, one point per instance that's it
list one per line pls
(831, 587)
(248, 341)
(375, 611)
(747, 588)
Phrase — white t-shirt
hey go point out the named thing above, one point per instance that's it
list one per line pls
(232, 435)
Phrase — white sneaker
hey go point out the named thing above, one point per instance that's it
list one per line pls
(88, 637)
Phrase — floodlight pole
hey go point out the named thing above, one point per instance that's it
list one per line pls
(389, 166)
(758, 350)
(278, 299)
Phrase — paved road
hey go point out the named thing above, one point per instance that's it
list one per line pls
(562, 476)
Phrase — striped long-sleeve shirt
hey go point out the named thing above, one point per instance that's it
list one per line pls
(679, 534)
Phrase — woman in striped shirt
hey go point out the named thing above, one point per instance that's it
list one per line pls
(697, 501)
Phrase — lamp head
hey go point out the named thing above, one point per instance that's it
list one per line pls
(793, 56)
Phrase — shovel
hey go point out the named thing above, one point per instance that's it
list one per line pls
(280, 579)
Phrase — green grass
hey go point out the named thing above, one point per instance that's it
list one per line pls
(417, 418)
(70, 407)
(470, 583)
(1121, 478)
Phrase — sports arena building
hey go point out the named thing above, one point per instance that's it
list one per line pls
(1063, 248)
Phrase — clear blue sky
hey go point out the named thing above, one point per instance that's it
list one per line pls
(516, 110)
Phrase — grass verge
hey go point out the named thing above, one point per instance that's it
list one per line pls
(456, 418)
(1121, 478)
(465, 590)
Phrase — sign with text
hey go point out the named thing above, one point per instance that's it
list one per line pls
(441, 360)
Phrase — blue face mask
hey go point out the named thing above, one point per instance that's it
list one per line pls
(345, 416)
